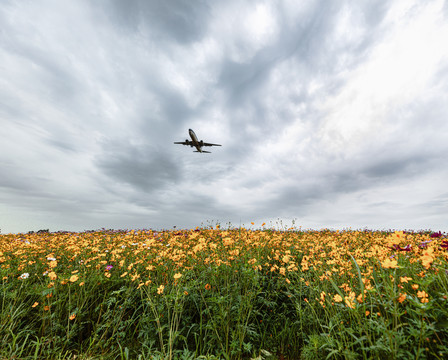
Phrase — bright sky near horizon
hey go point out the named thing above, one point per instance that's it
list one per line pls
(331, 114)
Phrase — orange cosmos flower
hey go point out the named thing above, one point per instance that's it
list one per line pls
(337, 298)
(350, 303)
(72, 316)
(35, 304)
(405, 279)
(208, 287)
(177, 276)
(74, 278)
(52, 275)
(401, 298)
(427, 258)
(160, 289)
(390, 264)
(423, 296)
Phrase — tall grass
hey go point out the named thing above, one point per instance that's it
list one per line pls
(224, 294)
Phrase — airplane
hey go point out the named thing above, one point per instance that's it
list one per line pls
(196, 143)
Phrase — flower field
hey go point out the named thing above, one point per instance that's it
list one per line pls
(224, 294)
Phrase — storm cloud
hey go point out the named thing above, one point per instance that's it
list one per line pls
(330, 114)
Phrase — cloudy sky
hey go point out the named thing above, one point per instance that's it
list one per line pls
(331, 114)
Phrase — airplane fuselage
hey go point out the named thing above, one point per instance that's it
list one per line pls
(195, 140)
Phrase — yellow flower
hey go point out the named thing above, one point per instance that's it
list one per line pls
(107, 274)
(423, 296)
(35, 304)
(81, 283)
(53, 264)
(390, 264)
(427, 258)
(74, 278)
(350, 303)
(160, 289)
(359, 298)
(415, 286)
(177, 276)
(405, 279)
(337, 298)
(52, 275)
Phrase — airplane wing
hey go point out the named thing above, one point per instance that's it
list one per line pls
(208, 144)
(186, 142)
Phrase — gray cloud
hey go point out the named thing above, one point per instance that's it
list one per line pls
(333, 114)
(141, 166)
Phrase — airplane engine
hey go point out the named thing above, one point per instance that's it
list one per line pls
(201, 143)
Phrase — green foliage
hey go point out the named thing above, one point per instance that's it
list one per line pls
(244, 308)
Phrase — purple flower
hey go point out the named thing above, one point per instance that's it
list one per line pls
(444, 244)
(436, 234)
(406, 248)
(109, 267)
(423, 244)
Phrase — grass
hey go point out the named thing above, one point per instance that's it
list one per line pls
(224, 294)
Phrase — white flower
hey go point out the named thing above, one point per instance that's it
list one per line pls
(24, 276)
(51, 259)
